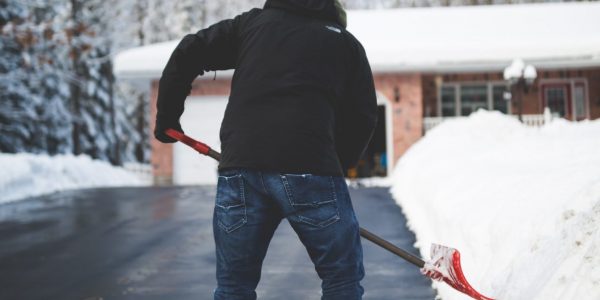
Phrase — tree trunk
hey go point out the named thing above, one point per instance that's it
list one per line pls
(75, 88)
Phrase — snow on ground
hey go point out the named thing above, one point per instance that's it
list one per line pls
(522, 204)
(369, 182)
(24, 175)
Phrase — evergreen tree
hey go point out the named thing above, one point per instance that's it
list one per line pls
(58, 93)
(33, 71)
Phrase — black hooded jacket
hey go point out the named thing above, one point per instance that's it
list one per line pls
(302, 96)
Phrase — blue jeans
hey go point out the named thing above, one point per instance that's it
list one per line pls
(250, 205)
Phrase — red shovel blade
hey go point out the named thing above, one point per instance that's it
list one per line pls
(445, 266)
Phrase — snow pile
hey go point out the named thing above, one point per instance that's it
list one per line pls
(24, 175)
(522, 204)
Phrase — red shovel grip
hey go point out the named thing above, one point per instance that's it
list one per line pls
(196, 145)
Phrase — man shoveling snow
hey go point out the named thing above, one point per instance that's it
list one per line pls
(302, 109)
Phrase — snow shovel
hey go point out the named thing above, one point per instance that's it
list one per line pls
(443, 266)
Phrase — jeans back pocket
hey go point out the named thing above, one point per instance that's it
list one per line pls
(230, 204)
(313, 198)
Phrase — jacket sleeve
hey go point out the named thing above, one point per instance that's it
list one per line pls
(210, 49)
(357, 117)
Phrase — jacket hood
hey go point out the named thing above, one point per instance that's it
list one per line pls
(322, 9)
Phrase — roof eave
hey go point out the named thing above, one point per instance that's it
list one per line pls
(155, 74)
(443, 67)
(486, 66)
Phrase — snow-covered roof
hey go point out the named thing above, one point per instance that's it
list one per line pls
(448, 39)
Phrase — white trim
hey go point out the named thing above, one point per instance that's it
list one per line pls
(389, 131)
(439, 99)
(586, 103)
(573, 113)
(396, 68)
(457, 102)
(587, 99)
(490, 95)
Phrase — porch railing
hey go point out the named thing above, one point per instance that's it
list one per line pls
(430, 122)
(536, 120)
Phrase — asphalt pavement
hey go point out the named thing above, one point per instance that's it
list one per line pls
(156, 243)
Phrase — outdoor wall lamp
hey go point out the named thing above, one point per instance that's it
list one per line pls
(518, 71)
(530, 74)
(520, 77)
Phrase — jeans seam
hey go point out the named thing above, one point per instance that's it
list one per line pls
(335, 202)
(288, 191)
(262, 182)
(242, 196)
(333, 193)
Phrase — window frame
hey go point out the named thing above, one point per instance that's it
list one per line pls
(585, 101)
(571, 82)
(457, 95)
(565, 89)
(456, 98)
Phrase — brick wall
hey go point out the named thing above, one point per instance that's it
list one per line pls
(207, 87)
(430, 91)
(593, 77)
(161, 157)
(405, 94)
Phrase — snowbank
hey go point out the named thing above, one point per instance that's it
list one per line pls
(24, 175)
(522, 204)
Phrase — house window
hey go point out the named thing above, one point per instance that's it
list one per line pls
(464, 99)
(556, 99)
(579, 97)
(499, 102)
(566, 98)
(472, 98)
(448, 97)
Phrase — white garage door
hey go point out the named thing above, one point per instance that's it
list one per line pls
(201, 120)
